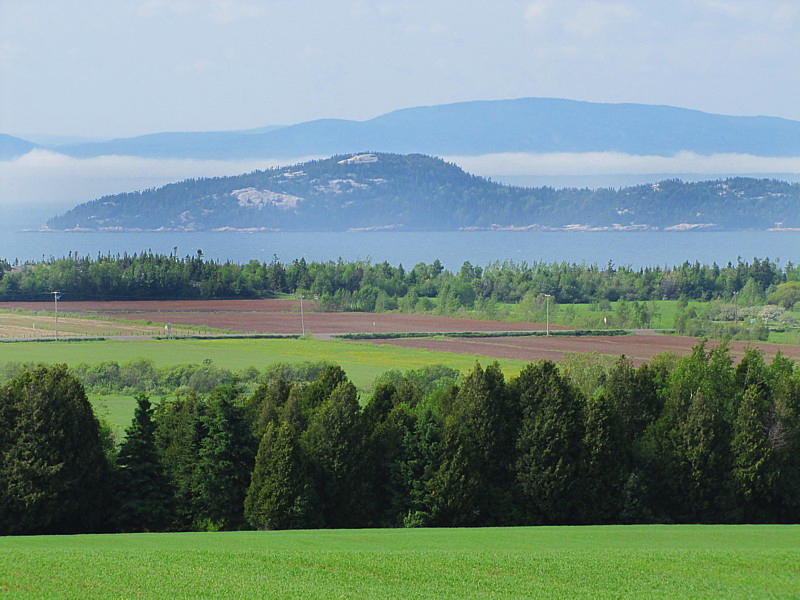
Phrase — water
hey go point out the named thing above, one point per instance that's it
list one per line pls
(451, 248)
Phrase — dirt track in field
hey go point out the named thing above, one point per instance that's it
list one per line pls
(639, 348)
(271, 316)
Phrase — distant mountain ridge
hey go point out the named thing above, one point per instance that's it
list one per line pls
(535, 125)
(13, 147)
(373, 191)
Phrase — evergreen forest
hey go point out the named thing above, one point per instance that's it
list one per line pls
(362, 285)
(694, 439)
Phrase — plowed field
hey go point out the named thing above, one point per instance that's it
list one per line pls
(639, 348)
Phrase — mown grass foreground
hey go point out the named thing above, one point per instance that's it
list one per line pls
(630, 561)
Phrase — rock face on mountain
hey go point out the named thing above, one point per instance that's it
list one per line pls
(373, 191)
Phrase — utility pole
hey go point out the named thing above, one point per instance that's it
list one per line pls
(547, 301)
(302, 318)
(735, 306)
(56, 296)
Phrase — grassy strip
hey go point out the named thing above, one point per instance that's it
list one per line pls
(51, 339)
(554, 562)
(481, 334)
(233, 336)
(107, 318)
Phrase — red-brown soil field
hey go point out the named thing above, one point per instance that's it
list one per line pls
(271, 316)
(283, 316)
(639, 348)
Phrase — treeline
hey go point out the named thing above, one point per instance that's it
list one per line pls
(364, 286)
(141, 375)
(681, 440)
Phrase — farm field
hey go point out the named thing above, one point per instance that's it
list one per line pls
(28, 326)
(282, 316)
(590, 316)
(785, 337)
(362, 361)
(565, 313)
(639, 348)
(596, 562)
(271, 316)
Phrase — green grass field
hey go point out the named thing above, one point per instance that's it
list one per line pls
(561, 562)
(785, 337)
(116, 409)
(361, 361)
(584, 314)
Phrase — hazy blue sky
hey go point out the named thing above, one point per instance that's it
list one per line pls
(118, 68)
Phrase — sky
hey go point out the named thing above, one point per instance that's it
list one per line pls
(104, 69)
(98, 69)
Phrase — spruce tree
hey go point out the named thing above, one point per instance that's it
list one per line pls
(144, 499)
(225, 462)
(421, 459)
(180, 429)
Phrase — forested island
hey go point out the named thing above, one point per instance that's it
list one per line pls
(380, 191)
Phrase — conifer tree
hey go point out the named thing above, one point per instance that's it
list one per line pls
(475, 481)
(766, 440)
(549, 466)
(688, 448)
(753, 457)
(179, 432)
(605, 464)
(334, 444)
(225, 462)
(143, 494)
(279, 496)
(387, 420)
(53, 470)
(421, 460)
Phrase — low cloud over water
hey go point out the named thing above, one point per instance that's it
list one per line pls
(44, 178)
(602, 163)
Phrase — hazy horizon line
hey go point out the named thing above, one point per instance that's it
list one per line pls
(104, 137)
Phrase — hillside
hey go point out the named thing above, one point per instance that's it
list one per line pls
(471, 128)
(417, 192)
(12, 147)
